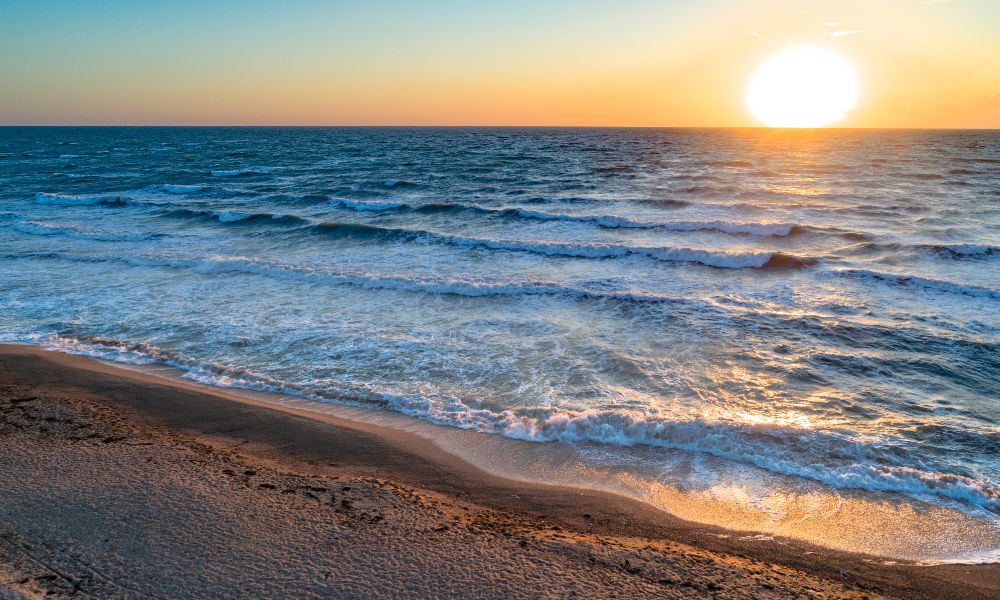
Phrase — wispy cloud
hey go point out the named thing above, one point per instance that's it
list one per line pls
(843, 33)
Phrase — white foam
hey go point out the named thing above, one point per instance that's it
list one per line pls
(120, 175)
(181, 189)
(231, 217)
(235, 217)
(373, 206)
(231, 173)
(76, 200)
(235, 172)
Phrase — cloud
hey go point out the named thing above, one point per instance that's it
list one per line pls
(830, 24)
(843, 33)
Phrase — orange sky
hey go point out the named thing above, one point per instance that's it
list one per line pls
(930, 63)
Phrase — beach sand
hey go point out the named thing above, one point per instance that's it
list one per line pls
(115, 483)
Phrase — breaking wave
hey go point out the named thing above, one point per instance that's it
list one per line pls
(222, 216)
(454, 286)
(81, 200)
(73, 231)
(181, 189)
(595, 250)
(967, 250)
(238, 172)
(913, 281)
(606, 221)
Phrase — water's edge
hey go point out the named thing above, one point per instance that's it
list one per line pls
(563, 464)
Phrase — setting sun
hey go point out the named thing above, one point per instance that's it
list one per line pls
(802, 86)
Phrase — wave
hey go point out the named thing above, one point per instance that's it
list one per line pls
(664, 202)
(121, 175)
(952, 251)
(368, 206)
(397, 183)
(36, 228)
(468, 286)
(614, 169)
(451, 286)
(976, 159)
(730, 163)
(472, 288)
(834, 458)
(605, 221)
(81, 200)
(615, 222)
(181, 189)
(966, 250)
(831, 230)
(236, 217)
(838, 460)
(595, 250)
(238, 172)
(914, 281)
(221, 216)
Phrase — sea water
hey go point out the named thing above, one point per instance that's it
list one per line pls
(761, 311)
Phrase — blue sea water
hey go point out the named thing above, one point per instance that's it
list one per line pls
(818, 305)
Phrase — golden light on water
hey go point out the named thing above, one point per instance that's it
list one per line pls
(802, 86)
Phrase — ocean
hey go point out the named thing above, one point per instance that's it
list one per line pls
(790, 322)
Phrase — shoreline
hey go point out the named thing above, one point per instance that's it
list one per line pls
(319, 445)
(854, 521)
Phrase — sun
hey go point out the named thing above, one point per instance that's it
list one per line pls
(802, 86)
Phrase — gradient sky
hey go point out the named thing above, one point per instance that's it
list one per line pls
(922, 63)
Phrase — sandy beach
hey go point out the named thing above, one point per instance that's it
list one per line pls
(120, 484)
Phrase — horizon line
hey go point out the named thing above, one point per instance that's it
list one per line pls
(424, 126)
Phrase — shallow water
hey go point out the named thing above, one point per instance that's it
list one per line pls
(757, 312)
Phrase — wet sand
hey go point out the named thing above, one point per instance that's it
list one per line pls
(120, 484)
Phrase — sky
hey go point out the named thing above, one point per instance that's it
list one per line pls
(921, 63)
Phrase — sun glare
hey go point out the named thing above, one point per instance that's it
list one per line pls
(802, 86)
